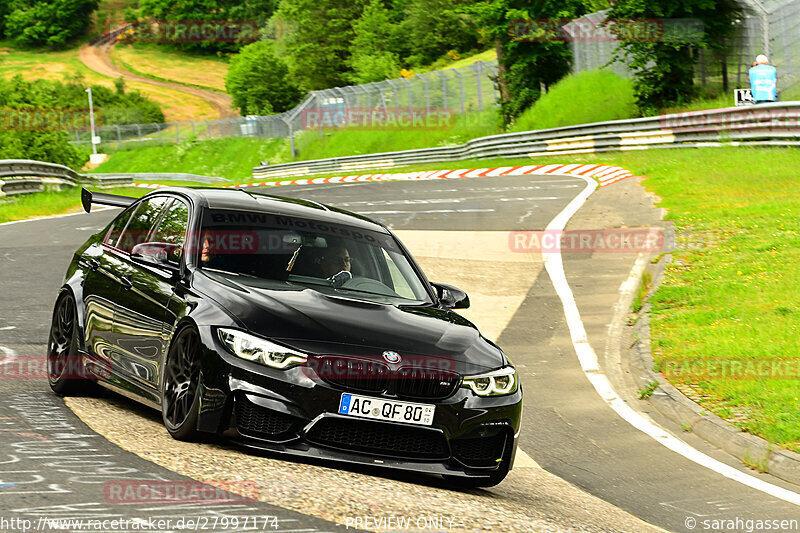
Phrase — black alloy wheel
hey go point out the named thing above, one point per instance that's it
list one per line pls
(180, 401)
(64, 368)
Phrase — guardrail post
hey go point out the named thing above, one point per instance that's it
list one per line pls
(177, 132)
(119, 136)
(194, 134)
(460, 86)
(139, 131)
(159, 132)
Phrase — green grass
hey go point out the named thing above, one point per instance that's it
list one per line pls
(50, 202)
(233, 159)
(731, 291)
(344, 142)
(591, 96)
(156, 62)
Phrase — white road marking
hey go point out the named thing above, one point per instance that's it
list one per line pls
(588, 359)
(7, 328)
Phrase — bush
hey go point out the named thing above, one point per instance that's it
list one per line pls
(47, 22)
(591, 96)
(257, 81)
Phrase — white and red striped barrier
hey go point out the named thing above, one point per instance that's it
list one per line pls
(605, 175)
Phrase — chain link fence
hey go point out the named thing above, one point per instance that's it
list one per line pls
(454, 91)
(770, 27)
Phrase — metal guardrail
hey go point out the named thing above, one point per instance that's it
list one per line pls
(776, 124)
(24, 176)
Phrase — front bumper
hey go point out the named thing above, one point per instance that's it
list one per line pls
(294, 412)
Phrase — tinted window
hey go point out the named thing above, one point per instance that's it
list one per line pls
(142, 223)
(318, 254)
(172, 228)
(117, 227)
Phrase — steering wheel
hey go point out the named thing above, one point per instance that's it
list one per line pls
(361, 283)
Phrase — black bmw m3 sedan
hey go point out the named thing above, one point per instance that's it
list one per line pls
(284, 325)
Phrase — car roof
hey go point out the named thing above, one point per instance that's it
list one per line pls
(256, 201)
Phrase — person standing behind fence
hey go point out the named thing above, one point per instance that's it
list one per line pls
(763, 80)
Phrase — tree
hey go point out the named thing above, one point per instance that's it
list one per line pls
(257, 81)
(315, 37)
(374, 50)
(434, 27)
(664, 69)
(253, 12)
(526, 61)
(47, 22)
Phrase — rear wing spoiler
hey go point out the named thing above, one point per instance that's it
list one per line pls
(88, 198)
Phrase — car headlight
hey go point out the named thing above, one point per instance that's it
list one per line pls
(254, 348)
(497, 383)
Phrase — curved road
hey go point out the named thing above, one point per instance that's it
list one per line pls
(97, 58)
(567, 428)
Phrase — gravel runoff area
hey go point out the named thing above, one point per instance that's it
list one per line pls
(530, 499)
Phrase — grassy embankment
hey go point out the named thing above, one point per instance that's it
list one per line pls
(242, 153)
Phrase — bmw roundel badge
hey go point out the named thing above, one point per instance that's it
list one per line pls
(392, 357)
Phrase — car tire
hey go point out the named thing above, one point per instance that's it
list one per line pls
(64, 366)
(180, 400)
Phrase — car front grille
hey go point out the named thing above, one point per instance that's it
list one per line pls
(378, 438)
(366, 375)
(481, 451)
(353, 374)
(418, 382)
(255, 421)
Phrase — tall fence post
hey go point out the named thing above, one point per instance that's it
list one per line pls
(427, 94)
(444, 88)
(410, 98)
(396, 97)
(477, 69)
(119, 137)
(460, 86)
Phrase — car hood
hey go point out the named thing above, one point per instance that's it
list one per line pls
(334, 323)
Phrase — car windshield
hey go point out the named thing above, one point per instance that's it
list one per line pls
(322, 255)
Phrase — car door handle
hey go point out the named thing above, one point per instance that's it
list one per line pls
(126, 283)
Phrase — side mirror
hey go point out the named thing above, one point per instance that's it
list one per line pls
(159, 254)
(451, 297)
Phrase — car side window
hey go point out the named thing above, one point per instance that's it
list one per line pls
(140, 226)
(172, 229)
(119, 224)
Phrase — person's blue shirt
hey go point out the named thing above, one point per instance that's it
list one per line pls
(764, 83)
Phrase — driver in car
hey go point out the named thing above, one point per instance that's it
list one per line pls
(337, 259)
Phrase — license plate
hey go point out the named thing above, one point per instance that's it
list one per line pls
(379, 409)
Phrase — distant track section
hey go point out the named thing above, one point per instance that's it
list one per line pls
(96, 57)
